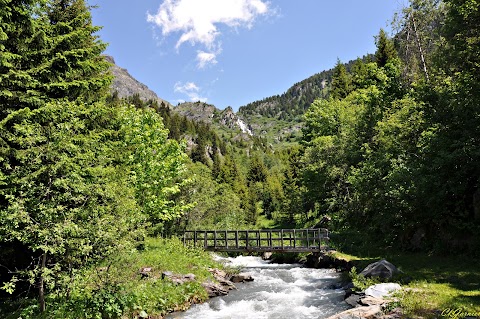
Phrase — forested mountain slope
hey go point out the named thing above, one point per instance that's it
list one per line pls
(278, 118)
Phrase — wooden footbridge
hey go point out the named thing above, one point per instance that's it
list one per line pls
(265, 240)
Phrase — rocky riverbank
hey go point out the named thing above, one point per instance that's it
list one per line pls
(222, 284)
(224, 281)
(375, 302)
(372, 303)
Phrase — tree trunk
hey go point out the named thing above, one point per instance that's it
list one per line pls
(476, 205)
(420, 47)
(41, 289)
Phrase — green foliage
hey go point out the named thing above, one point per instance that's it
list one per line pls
(78, 179)
(398, 158)
(257, 171)
(115, 288)
(156, 163)
(71, 64)
(49, 51)
(418, 35)
(66, 196)
(216, 205)
(359, 281)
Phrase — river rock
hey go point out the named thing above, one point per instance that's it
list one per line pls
(189, 277)
(396, 313)
(369, 312)
(221, 277)
(382, 269)
(371, 301)
(353, 300)
(327, 260)
(178, 279)
(214, 290)
(382, 290)
(167, 274)
(241, 277)
(217, 273)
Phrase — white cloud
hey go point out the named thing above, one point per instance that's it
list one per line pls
(197, 21)
(187, 87)
(191, 90)
(206, 58)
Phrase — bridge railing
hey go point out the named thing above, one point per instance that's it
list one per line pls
(281, 240)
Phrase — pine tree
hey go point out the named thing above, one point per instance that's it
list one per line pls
(341, 81)
(385, 49)
(65, 195)
(217, 164)
(48, 51)
(257, 171)
(19, 36)
(65, 198)
(73, 67)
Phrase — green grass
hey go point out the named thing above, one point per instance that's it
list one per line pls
(434, 283)
(116, 289)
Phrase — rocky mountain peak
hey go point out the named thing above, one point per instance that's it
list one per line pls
(126, 85)
(208, 113)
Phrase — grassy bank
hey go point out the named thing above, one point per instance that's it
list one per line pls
(117, 289)
(437, 284)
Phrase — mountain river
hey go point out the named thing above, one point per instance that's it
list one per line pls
(279, 291)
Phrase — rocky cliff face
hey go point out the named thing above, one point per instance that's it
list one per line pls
(207, 113)
(231, 120)
(126, 85)
(197, 111)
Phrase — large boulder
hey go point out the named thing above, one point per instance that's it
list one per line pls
(382, 269)
(382, 290)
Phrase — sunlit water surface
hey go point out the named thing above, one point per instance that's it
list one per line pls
(280, 291)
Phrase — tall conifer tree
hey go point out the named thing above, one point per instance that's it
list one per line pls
(341, 81)
(385, 49)
(19, 37)
(72, 66)
(64, 199)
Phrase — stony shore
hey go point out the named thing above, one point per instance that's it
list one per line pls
(364, 306)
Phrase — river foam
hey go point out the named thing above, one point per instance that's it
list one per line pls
(280, 291)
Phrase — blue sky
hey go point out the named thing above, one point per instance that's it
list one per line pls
(232, 52)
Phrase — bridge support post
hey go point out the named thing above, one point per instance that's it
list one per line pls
(281, 235)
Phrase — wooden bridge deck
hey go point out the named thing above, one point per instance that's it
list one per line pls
(271, 240)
